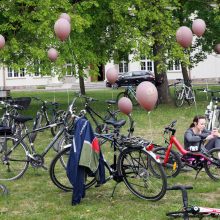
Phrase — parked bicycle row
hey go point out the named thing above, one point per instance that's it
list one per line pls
(137, 164)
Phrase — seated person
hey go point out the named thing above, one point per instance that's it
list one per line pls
(197, 132)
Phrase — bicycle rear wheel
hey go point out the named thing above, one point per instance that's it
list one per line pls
(58, 172)
(173, 166)
(191, 96)
(213, 168)
(57, 118)
(179, 99)
(14, 161)
(134, 165)
(37, 124)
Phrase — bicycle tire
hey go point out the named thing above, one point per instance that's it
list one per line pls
(14, 160)
(173, 167)
(58, 172)
(37, 124)
(133, 166)
(3, 189)
(120, 95)
(213, 170)
(191, 97)
(216, 119)
(179, 99)
(57, 118)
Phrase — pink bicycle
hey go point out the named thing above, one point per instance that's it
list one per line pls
(187, 212)
(174, 161)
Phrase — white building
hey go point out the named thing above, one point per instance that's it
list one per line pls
(208, 69)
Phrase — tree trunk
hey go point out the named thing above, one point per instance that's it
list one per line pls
(185, 73)
(161, 80)
(82, 85)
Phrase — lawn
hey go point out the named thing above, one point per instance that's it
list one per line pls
(35, 197)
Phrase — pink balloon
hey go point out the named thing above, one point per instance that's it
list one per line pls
(112, 75)
(62, 29)
(217, 48)
(52, 54)
(198, 27)
(65, 16)
(125, 105)
(184, 36)
(2, 41)
(147, 95)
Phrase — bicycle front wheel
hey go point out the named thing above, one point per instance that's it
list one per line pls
(37, 124)
(58, 172)
(57, 118)
(213, 168)
(179, 99)
(216, 119)
(134, 165)
(191, 96)
(14, 161)
(173, 166)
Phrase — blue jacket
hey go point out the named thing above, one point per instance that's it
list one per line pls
(85, 154)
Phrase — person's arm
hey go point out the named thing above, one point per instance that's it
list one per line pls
(191, 138)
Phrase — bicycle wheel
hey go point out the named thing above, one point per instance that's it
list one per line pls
(173, 166)
(216, 119)
(37, 124)
(58, 172)
(179, 99)
(14, 161)
(133, 166)
(3, 189)
(213, 169)
(57, 118)
(120, 95)
(191, 96)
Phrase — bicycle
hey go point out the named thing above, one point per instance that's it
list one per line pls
(173, 161)
(16, 154)
(134, 165)
(3, 190)
(100, 121)
(187, 211)
(42, 114)
(183, 92)
(212, 111)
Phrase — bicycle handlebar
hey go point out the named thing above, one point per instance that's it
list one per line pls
(44, 102)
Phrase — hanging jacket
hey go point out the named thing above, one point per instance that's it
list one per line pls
(85, 154)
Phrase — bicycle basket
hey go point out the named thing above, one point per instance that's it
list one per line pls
(22, 101)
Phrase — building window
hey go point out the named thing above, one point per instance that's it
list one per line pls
(143, 65)
(69, 69)
(15, 73)
(123, 67)
(174, 65)
(146, 64)
(150, 65)
(10, 72)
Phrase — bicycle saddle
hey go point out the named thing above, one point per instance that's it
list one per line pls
(111, 101)
(4, 130)
(116, 124)
(21, 118)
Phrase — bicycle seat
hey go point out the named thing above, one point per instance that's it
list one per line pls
(21, 118)
(116, 124)
(5, 130)
(111, 101)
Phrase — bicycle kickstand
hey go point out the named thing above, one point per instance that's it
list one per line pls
(197, 172)
(114, 189)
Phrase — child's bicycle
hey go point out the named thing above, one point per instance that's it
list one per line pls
(173, 161)
(187, 212)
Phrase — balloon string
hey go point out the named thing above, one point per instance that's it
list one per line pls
(150, 125)
(54, 97)
(68, 97)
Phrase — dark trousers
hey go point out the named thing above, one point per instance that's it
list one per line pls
(213, 143)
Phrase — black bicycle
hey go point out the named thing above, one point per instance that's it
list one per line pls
(43, 118)
(135, 165)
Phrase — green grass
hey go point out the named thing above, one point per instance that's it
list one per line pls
(35, 197)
